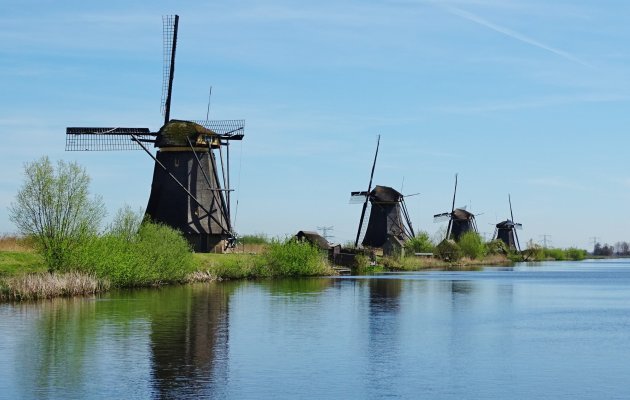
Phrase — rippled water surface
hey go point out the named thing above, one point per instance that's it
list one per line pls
(557, 330)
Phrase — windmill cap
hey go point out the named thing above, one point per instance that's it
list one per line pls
(385, 194)
(506, 224)
(459, 213)
(175, 133)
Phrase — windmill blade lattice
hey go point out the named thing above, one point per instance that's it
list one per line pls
(169, 27)
(106, 139)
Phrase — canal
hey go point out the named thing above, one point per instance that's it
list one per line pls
(556, 330)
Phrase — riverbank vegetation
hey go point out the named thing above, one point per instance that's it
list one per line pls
(63, 249)
(280, 258)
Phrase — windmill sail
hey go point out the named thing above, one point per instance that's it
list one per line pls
(106, 139)
(365, 203)
(170, 25)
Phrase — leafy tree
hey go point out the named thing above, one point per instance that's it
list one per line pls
(54, 208)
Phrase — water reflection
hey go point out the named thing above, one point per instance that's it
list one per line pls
(189, 342)
(383, 345)
(176, 339)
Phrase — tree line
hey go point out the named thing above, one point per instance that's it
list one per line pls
(606, 250)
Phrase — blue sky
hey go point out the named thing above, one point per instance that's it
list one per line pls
(523, 97)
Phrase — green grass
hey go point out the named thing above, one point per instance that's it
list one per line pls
(258, 238)
(228, 266)
(280, 259)
(20, 262)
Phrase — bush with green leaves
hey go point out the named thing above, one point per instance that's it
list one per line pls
(156, 254)
(497, 246)
(448, 250)
(421, 243)
(54, 207)
(573, 253)
(294, 258)
(258, 238)
(472, 245)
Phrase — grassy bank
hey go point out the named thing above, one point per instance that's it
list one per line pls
(431, 263)
(155, 256)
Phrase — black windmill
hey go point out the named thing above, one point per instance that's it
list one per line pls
(389, 218)
(189, 192)
(506, 231)
(460, 220)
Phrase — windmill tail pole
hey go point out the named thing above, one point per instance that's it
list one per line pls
(367, 197)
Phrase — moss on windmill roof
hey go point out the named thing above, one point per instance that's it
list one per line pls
(175, 133)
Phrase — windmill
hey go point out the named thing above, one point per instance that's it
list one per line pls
(389, 219)
(189, 192)
(506, 230)
(460, 221)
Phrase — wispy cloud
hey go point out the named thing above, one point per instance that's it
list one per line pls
(556, 182)
(511, 33)
(542, 102)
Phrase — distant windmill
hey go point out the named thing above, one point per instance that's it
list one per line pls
(188, 192)
(506, 231)
(389, 218)
(460, 221)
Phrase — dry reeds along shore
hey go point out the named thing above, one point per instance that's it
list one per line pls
(46, 286)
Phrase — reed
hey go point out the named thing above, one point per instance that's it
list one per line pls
(49, 285)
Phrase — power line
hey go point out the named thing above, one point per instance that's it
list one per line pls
(595, 240)
(545, 240)
(325, 230)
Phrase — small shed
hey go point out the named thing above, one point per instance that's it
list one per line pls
(313, 238)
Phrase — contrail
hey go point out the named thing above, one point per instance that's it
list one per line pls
(510, 33)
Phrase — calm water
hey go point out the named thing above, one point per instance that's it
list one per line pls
(559, 330)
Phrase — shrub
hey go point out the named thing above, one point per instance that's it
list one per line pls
(497, 246)
(156, 254)
(448, 250)
(258, 238)
(472, 245)
(293, 258)
(421, 243)
(554, 254)
(575, 254)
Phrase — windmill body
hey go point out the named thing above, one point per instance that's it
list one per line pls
(506, 231)
(386, 217)
(461, 222)
(189, 191)
(202, 217)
